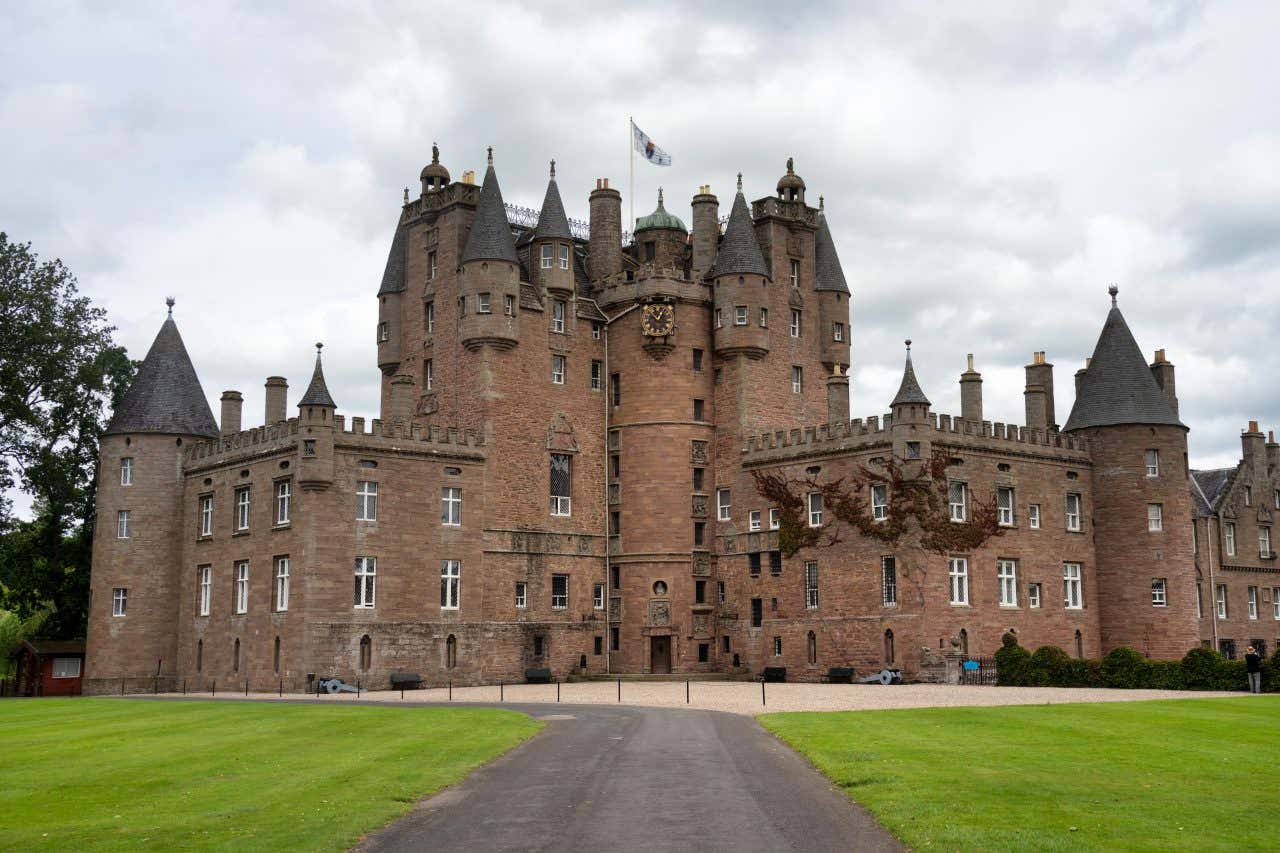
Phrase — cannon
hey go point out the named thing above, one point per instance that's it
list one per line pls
(884, 676)
(336, 685)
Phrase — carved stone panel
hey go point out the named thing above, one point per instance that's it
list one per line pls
(700, 506)
(615, 609)
(701, 563)
(730, 545)
(584, 544)
(702, 624)
(615, 493)
(698, 452)
(659, 614)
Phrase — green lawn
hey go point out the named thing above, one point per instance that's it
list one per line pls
(1189, 774)
(128, 774)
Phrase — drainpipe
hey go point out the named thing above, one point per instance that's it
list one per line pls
(1213, 587)
(608, 640)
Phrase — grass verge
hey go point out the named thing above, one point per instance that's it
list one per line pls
(118, 774)
(1183, 774)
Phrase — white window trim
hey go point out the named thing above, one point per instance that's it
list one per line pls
(1034, 596)
(558, 363)
(1220, 600)
(243, 506)
(60, 669)
(1155, 518)
(1264, 542)
(206, 515)
(242, 586)
(450, 584)
(740, 315)
(815, 508)
(811, 585)
(564, 256)
(1072, 582)
(958, 509)
(1152, 463)
(367, 500)
(124, 529)
(1229, 537)
(560, 602)
(126, 471)
(366, 572)
(796, 318)
(753, 520)
(724, 505)
(1004, 512)
(879, 502)
(597, 596)
(119, 601)
(284, 501)
(1251, 599)
(547, 256)
(204, 580)
(1007, 578)
(557, 316)
(1074, 521)
(1033, 516)
(775, 518)
(958, 581)
(1159, 592)
(282, 584)
(885, 587)
(562, 505)
(450, 500)
(797, 379)
(522, 595)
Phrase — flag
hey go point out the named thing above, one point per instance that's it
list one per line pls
(647, 148)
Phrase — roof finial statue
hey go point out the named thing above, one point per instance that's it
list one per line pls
(553, 170)
(739, 182)
(406, 195)
(1113, 290)
(791, 165)
(169, 300)
(660, 207)
(319, 346)
(908, 347)
(822, 202)
(490, 155)
(435, 153)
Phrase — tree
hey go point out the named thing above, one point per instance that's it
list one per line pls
(60, 370)
(916, 517)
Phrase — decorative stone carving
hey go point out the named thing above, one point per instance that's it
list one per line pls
(730, 545)
(584, 544)
(615, 493)
(615, 609)
(701, 563)
(659, 614)
(700, 506)
(702, 624)
(698, 452)
(427, 405)
(517, 541)
(560, 437)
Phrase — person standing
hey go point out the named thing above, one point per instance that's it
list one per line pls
(1253, 664)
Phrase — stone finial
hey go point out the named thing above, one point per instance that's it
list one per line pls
(791, 165)
(319, 346)
(660, 207)
(435, 153)
(490, 155)
(822, 203)
(739, 182)
(1113, 290)
(553, 170)
(169, 301)
(406, 195)
(908, 343)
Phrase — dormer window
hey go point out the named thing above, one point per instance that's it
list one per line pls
(564, 257)
(548, 255)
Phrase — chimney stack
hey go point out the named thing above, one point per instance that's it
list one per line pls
(604, 242)
(971, 393)
(232, 402)
(1273, 454)
(706, 233)
(838, 395)
(1038, 395)
(402, 398)
(1162, 370)
(1253, 450)
(277, 399)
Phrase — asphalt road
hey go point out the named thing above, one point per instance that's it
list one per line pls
(639, 779)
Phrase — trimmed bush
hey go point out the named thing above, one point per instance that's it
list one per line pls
(1125, 668)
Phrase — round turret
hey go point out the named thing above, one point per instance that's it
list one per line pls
(791, 185)
(661, 238)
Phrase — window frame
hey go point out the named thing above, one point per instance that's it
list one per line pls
(753, 520)
(1004, 513)
(724, 504)
(1074, 520)
(560, 600)
(429, 316)
(1251, 602)
(1072, 582)
(1007, 582)
(205, 504)
(797, 379)
(1035, 596)
(775, 518)
(561, 505)
(119, 601)
(283, 501)
(958, 581)
(559, 367)
(126, 470)
(1229, 537)
(811, 585)
(563, 255)
(888, 581)
(450, 506)
(597, 375)
(1220, 601)
(1159, 592)
(814, 507)
(240, 579)
(547, 256)
(366, 500)
(282, 583)
(1155, 518)
(366, 582)
(958, 510)
(450, 584)
(796, 322)
(837, 331)
(204, 589)
(597, 596)
(58, 667)
(1264, 542)
(522, 595)
(124, 524)
(1151, 461)
(741, 316)
(557, 316)
(428, 374)
(880, 502)
(1033, 516)
(243, 508)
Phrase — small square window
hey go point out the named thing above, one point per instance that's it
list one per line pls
(1158, 592)
(482, 304)
(557, 369)
(754, 520)
(1033, 516)
(740, 315)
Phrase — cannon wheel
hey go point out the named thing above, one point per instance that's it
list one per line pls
(331, 686)
(886, 677)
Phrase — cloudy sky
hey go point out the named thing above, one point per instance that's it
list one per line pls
(986, 175)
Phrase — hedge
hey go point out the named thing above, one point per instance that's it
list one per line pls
(1199, 669)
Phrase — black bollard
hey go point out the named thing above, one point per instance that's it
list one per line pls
(619, 689)
(762, 700)
(156, 686)
(402, 693)
(686, 691)
(500, 689)
(122, 687)
(184, 687)
(557, 690)
(213, 688)
(450, 689)
(246, 687)
(357, 688)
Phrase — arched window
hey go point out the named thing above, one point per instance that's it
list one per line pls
(199, 655)
(964, 642)
(888, 646)
(451, 652)
(1079, 644)
(813, 647)
(235, 659)
(276, 656)
(366, 652)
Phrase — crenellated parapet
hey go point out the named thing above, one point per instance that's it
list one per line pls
(944, 430)
(652, 281)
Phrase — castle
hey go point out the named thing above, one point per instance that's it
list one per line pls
(561, 478)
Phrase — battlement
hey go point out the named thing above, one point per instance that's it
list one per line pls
(859, 434)
(360, 433)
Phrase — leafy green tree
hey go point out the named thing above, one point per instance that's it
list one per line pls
(60, 372)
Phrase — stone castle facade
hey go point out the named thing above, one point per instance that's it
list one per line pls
(561, 478)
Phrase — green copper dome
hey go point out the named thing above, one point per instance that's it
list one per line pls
(659, 218)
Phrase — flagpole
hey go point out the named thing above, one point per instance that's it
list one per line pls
(631, 186)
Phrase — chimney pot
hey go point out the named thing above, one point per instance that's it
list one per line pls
(1253, 426)
(232, 402)
(277, 399)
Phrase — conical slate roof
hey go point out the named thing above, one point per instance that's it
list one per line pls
(910, 392)
(317, 392)
(827, 271)
(165, 396)
(490, 235)
(739, 252)
(552, 222)
(393, 275)
(1118, 387)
